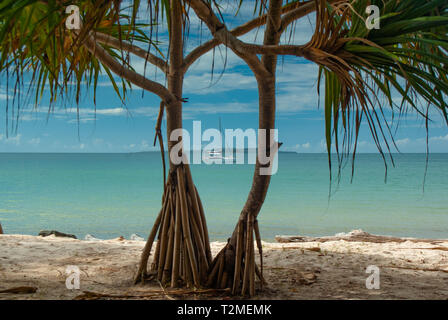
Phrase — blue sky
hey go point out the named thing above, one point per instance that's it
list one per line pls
(231, 96)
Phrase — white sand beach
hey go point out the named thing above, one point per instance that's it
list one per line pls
(329, 269)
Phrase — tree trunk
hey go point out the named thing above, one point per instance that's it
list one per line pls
(235, 266)
(182, 255)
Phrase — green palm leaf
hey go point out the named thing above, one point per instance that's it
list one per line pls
(35, 40)
(407, 56)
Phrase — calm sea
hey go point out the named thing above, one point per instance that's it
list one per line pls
(108, 195)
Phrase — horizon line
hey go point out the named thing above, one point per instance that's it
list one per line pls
(158, 151)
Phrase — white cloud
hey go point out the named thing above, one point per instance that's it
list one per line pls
(98, 141)
(81, 120)
(402, 142)
(300, 147)
(15, 140)
(145, 144)
(34, 141)
(202, 84)
(88, 114)
(213, 108)
(297, 87)
(4, 96)
(440, 138)
(109, 112)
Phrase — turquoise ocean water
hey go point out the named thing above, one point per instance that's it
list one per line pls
(108, 195)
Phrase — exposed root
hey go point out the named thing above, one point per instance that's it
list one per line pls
(234, 267)
(182, 255)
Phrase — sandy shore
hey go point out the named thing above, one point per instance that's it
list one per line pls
(304, 270)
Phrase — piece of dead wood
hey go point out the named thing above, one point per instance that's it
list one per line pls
(280, 268)
(20, 290)
(354, 237)
(164, 291)
(436, 248)
(89, 295)
(416, 269)
(1, 229)
(314, 249)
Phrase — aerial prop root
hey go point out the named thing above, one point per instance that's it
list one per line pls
(182, 253)
(234, 267)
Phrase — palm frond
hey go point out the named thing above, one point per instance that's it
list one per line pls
(35, 41)
(406, 56)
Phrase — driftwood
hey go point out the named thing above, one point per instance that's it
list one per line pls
(416, 269)
(354, 236)
(89, 295)
(1, 229)
(20, 290)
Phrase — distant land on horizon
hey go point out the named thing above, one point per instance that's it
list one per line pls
(158, 151)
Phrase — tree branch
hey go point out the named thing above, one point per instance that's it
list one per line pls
(224, 36)
(199, 52)
(120, 45)
(299, 9)
(106, 59)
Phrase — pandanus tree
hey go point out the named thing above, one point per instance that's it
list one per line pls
(407, 57)
(35, 42)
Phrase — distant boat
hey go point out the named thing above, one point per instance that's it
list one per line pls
(217, 154)
(214, 154)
